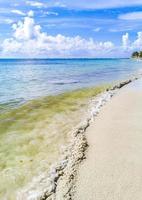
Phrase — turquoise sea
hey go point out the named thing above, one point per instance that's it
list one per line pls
(35, 121)
(26, 79)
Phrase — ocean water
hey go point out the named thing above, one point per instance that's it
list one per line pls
(33, 124)
(23, 80)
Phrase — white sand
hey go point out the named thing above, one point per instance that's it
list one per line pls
(113, 168)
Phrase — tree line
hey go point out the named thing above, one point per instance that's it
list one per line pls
(137, 54)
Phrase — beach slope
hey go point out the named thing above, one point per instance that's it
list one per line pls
(113, 166)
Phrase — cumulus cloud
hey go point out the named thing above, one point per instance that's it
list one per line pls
(138, 42)
(26, 30)
(31, 13)
(132, 45)
(29, 40)
(125, 41)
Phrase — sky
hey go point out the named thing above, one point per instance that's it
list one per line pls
(70, 28)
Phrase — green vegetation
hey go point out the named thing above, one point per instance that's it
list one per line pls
(137, 54)
(25, 117)
(31, 136)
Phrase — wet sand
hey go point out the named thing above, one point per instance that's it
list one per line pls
(113, 166)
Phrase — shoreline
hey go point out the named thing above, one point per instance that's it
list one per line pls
(65, 186)
(112, 169)
(59, 183)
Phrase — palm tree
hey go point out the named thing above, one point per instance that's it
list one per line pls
(140, 54)
(136, 54)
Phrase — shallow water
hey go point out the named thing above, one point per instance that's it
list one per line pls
(34, 125)
(31, 136)
(22, 80)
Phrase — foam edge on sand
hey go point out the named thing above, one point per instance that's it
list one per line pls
(60, 182)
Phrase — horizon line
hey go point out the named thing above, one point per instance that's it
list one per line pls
(88, 58)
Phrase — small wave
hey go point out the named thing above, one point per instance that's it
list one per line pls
(65, 82)
(11, 104)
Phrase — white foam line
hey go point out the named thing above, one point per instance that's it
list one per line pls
(58, 183)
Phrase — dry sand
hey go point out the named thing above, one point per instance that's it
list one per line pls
(113, 168)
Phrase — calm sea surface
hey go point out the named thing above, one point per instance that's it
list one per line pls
(22, 80)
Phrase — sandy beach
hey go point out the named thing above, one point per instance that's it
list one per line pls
(112, 168)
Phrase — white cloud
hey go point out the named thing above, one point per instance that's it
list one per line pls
(7, 21)
(132, 45)
(35, 4)
(59, 4)
(51, 13)
(98, 29)
(131, 16)
(97, 4)
(31, 13)
(138, 42)
(27, 30)
(125, 41)
(120, 29)
(29, 40)
(51, 3)
(19, 12)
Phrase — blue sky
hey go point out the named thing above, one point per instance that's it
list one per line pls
(91, 28)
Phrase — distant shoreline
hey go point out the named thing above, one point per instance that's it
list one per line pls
(61, 58)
